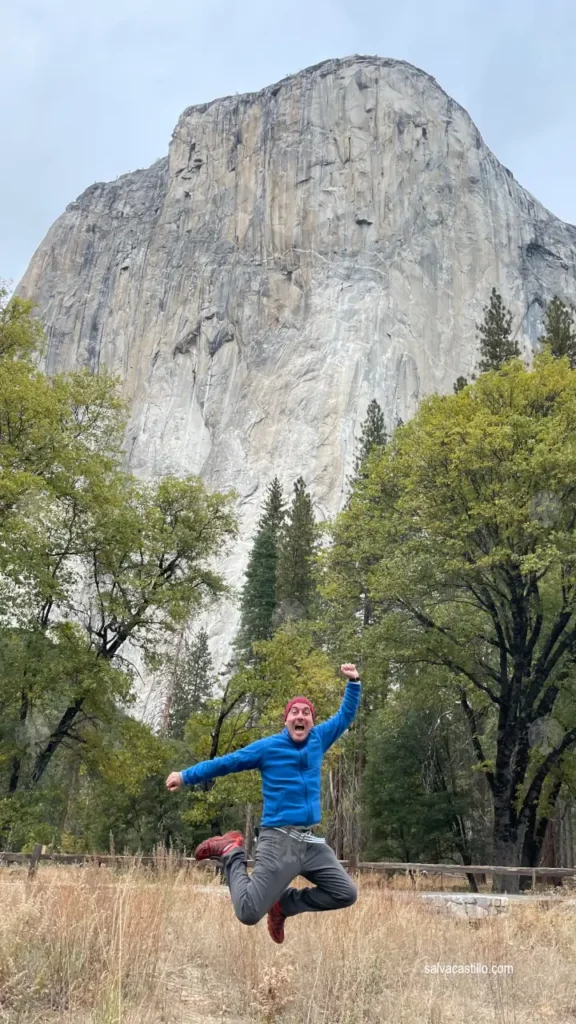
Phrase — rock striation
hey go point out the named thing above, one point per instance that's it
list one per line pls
(301, 250)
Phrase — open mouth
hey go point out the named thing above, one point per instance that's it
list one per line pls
(299, 728)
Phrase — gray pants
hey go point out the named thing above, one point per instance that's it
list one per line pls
(279, 859)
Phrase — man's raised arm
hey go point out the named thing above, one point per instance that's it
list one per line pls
(333, 728)
(239, 761)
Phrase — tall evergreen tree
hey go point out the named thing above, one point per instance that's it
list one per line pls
(497, 346)
(191, 684)
(355, 572)
(560, 335)
(258, 600)
(274, 507)
(373, 436)
(295, 584)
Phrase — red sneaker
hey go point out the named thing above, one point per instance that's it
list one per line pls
(276, 923)
(217, 845)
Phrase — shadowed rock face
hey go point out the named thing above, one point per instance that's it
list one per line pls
(302, 250)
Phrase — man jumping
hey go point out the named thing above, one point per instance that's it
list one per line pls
(289, 763)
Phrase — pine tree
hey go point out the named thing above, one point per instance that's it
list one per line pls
(295, 585)
(191, 684)
(560, 335)
(273, 509)
(373, 436)
(258, 600)
(497, 346)
(459, 384)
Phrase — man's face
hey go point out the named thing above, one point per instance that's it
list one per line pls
(299, 722)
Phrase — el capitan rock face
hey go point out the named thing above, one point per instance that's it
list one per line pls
(328, 240)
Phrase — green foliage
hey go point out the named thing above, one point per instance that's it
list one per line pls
(295, 583)
(191, 683)
(459, 384)
(20, 334)
(273, 509)
(344, 567)
(258, 601)
(123, 801)
(373, 436)
(292, 663)
(497, 346)
(419, 793)
(449, 580)
(107, 794)
(90, 560)
(149, 559)
(28, 817)
(60, 438)
(140, 559)
(559, 337)
(409, 820)
(259, 593)
(468, 519)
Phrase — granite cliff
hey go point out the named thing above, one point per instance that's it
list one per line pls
(301, 250)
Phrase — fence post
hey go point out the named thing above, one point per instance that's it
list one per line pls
(34, 858)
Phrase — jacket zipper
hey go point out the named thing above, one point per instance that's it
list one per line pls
(305, 787)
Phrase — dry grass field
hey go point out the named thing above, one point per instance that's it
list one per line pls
(88, 946)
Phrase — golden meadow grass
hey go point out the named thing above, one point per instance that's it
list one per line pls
(88, 946)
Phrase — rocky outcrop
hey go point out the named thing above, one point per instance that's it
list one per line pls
(302, 250)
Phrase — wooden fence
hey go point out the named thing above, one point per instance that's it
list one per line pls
(32, 860)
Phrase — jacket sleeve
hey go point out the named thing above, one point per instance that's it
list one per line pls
(333, 728)
(239, 761)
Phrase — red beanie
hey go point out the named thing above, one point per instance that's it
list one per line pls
(299, 700)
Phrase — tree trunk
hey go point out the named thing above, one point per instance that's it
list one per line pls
(340, 809)
(73, 780)
(549, 851)
(58, 736)
(336, 793)
(15, 773)
(533, 851)
(567, 834)
(225, 710)
(507, 842)
(17, 760)
(506, 854)
(472, 883)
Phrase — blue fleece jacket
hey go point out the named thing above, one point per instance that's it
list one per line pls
(290, 770)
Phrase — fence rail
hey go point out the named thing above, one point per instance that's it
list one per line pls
(362, 867)
(462, 869)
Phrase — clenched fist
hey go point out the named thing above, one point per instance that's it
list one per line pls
(349, 671)
(174, 781)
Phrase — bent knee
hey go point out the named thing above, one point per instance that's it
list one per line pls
(350, 895)
(248, 915)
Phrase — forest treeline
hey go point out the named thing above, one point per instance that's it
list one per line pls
(449, 577)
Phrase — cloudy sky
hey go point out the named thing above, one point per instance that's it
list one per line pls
(92, 90)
